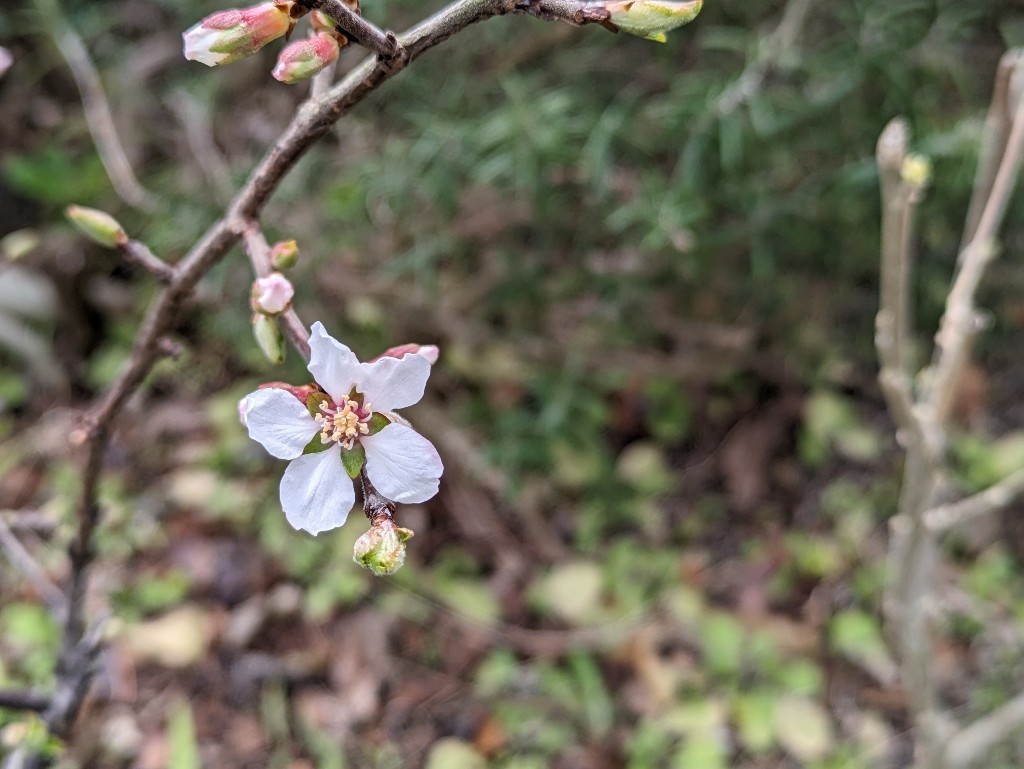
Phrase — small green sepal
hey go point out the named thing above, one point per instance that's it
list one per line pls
(353, 460)
(377, 423)
(316, 445)
(313, 401)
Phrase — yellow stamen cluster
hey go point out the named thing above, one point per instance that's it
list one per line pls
(344, 423)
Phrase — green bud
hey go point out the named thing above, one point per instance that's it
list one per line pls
(382, 548)
(269, 337)
(98, 226)
(284, 255)
(916, 171)
(651, 19)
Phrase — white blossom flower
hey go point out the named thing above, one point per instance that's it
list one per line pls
(354, 424)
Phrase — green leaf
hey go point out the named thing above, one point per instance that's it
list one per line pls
(353, 460)
(377, 423)
(316, 445)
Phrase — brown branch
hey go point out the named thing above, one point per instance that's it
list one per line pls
(355, 26)
(138, 253)
(312, 120)
(16, 699)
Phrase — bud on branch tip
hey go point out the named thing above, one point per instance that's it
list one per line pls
(98, 226)
(230, 35)
(651, 19)
(304, 58)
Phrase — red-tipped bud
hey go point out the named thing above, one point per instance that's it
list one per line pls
(231, 35)
(304, 58)
(284, 255)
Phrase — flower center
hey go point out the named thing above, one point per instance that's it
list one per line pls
(344, 422)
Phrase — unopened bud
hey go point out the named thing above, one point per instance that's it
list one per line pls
(268, 337)
(98, 226)
(272, 295)
(284, 255)
(382, 548)
(651, 19)
(304, 58)
(321, 22)
(230, 35)
(916, 171)
(6, 60)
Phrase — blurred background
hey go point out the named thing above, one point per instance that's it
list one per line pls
(652, 273)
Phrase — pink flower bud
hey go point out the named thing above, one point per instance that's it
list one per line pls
(273, 294)
(304, 58)
(321, 22)
(231, 35)
(284, 255)
(6, 60)
(428, 351)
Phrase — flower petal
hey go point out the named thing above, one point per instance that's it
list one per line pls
(316, 493)
(332, 364)
(279, 421)
(402, 464)
(393, 383)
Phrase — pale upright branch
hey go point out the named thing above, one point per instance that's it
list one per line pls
(958, 321)
(998, 122)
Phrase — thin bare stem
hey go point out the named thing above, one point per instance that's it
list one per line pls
(22, 559)
(998, 123)
(958, 321)
(359, 29)
(96, 108)
(258, 249)
(16, 699)
(974, 742)
(991, 500)
(138, 253)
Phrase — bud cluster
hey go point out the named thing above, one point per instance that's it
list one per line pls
(233, 34)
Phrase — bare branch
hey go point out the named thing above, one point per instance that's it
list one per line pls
(976, 740)
(22, 559)
(138, 253)
(96, 108)
(998, 123)
(958, 321)
(359, 29)
(991, 500)
(16, 699)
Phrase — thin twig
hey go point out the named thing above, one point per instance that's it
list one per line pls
(22, 559)
(991, 500)
(138, 253)
(96, 108)
(258, 249)
(998, 123)
(958, 321)
(359, 29)
(16, 699)
(974, 742)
